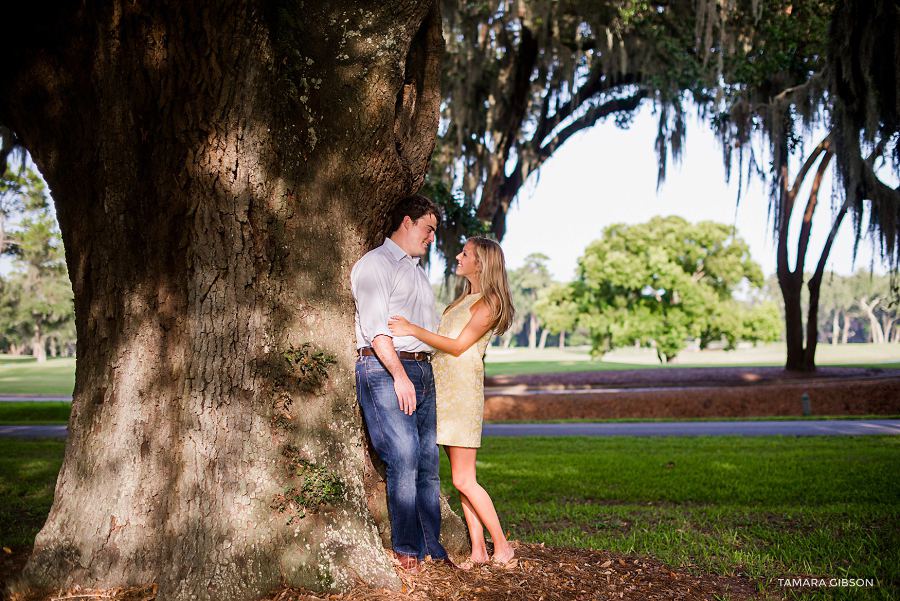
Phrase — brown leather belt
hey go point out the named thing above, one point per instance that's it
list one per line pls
(368, 351)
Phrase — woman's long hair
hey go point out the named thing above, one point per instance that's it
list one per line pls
(494, 284)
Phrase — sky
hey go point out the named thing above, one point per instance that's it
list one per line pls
(606, 175)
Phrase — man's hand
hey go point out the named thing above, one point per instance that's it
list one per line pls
(403, 386)
(406, 394)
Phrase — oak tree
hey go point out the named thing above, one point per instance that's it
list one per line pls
(217, 168)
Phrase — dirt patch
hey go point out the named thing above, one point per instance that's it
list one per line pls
(692, 392)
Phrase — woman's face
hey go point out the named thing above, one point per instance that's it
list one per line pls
(465, 261)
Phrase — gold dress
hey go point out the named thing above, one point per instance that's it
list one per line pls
(459, 381)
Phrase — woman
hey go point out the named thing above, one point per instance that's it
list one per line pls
(466, 327)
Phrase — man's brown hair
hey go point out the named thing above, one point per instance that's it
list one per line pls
(415, 206)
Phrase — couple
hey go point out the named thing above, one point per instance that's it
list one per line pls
(407, 410)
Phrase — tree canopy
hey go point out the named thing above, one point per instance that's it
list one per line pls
(665, 281)
(520, 79)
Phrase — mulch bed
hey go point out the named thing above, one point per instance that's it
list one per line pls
(538, 573)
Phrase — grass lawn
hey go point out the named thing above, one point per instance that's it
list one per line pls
(770, 508)
(21, 375)
(35, 414)
(28, 470)
(767, 507)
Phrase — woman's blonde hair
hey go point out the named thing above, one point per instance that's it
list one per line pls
(494, 284)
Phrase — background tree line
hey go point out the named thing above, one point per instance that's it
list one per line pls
(37, 314)
(670, 284)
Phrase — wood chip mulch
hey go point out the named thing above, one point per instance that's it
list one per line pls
(538, 573)
(542, 573)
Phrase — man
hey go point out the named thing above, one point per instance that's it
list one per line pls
(394, 383)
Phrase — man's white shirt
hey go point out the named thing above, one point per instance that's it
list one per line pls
(386, 281)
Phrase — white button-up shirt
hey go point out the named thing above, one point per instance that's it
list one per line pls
(386, 281)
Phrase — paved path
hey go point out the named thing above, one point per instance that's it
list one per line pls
(724, 428)
(34, 398)
(33, 431)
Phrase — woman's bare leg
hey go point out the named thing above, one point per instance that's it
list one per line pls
(476, 531)
(462, 470)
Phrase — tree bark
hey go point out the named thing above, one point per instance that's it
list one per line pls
(39, 347)
(217, 169)
(845, 333)
(532, 331)
(876, 335)
(800, 357)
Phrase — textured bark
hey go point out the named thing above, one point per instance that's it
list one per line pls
(802, 357)
(217, 168)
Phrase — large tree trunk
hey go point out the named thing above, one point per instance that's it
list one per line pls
(217, 168)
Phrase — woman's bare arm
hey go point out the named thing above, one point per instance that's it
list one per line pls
(474, 330)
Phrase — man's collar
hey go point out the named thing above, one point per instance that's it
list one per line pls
(395, 250)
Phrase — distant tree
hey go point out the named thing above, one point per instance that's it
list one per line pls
(14, 335)
(661, 282)
(838, 310)
(808, 65)
(37, 300)
(556, 311)
(20, 190)
(525, 283)
(877, 306)
(46, 307)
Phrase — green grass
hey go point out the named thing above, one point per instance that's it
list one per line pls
(23, 376)
(35, 413)
(28, 469)
(770, 508)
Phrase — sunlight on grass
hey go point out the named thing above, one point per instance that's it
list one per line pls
(56, 376)
(766, 507)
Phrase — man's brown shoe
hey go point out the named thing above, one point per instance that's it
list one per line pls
(409, 563)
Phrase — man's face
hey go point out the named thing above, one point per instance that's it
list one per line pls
(420, 234)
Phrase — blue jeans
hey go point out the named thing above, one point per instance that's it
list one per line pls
(406, 444)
